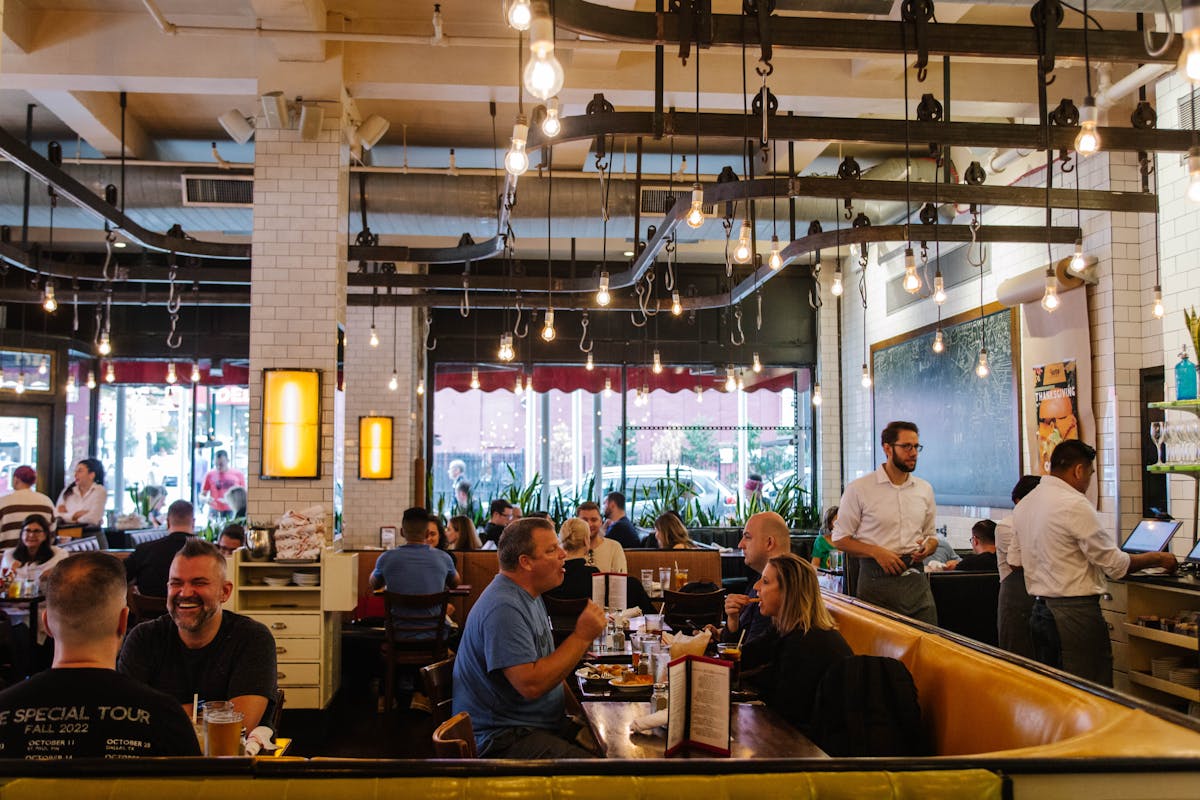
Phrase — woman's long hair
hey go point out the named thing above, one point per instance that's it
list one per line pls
(673, 531)
(468, 539)
(44, 552)
(93, 466)
(442, 542)
(802, 608)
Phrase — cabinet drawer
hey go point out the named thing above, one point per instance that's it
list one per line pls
(284, 625)
(303, 674)
(1116, 626)
(1114, 599)
(1120, 653)
(287, 649)
(302, 697)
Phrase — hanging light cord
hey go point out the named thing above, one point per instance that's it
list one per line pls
(907, 147)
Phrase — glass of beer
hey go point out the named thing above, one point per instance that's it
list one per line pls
(681, 579)
(731, 652)
(223, 731)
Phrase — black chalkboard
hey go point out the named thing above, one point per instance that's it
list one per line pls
(969, 425)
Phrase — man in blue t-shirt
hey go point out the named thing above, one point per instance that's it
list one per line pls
(508, 675)
(415, 567)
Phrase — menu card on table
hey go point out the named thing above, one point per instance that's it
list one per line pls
(610, 589)
(698, 712)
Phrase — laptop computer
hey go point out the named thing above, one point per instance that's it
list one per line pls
(1194, 556)
(1151, 535)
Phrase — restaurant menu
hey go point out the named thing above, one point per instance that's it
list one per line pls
(610, 589)
(698, 711)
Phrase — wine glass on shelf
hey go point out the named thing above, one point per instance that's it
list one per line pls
(1158, 435)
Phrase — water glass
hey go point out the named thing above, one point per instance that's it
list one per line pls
(659, 660)
(664, 577)
(654, 624)
(648, 581)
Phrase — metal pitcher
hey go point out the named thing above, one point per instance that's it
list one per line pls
(258, 544)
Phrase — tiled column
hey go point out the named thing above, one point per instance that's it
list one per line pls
(298, 296)
(828, 417)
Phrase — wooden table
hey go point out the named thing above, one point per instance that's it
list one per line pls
(757, 732)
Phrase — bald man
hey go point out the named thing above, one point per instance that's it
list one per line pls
(765, 536)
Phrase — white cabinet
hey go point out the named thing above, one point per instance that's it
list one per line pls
(302, 605)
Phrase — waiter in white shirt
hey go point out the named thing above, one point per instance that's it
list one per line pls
(1013, 605)
(1067, 553)
(885, 519)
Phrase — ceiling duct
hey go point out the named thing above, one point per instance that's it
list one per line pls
(217, 191)
(658, 200)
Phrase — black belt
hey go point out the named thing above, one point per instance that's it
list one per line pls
(1043, 599)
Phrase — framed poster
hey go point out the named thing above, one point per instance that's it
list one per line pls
(970, 426)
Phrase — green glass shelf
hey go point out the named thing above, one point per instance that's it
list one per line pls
(1177, 405)
(1186, 469)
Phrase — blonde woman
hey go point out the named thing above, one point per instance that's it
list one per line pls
(574, 537)
(671, 534)
(786, 666)
(460, 533)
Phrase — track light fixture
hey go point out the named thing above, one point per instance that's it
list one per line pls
(518, 15)
(603, 298)
(695, 215)
(1088, 141)
(275, 110)
(516, 160)
(543, 76)
(743, 252)
(368, 134)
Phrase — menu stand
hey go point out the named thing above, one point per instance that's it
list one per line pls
(698, 713)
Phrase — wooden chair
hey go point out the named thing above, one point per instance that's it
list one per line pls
(455, 738)
(438, 680)
(144, 607)
(688, 611)
(563, 613)
(415, 633)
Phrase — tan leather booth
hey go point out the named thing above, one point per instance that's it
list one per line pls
(976, 703)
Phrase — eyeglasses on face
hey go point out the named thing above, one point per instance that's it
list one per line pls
(32, 529)
(226, 550)
(908, 448)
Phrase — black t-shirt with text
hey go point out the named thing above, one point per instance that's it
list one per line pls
(240, 660)
(91, 713)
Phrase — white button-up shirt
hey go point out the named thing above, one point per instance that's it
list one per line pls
(877, 511)
(1008, 552)
(90, 502)
(1065, 550)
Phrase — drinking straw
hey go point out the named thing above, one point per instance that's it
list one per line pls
(743, 636)
(195, 703)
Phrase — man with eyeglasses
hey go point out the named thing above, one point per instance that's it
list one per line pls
(885, 520)
(1066, 552)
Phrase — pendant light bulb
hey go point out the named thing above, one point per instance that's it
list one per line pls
(420, 386)
(110, 373)
(676, 305)
(1088, 140)
(912, 281)
(589, 365)
(519, 384)
(743, 251)
(394, 382)
(866, 377)
(519, 15)
(543, 76)
(699, 394)
(474, 377)
(939, 342)
(1077, 263)
(1158, 309)
(172, 377)
(516, 160)
(1189, 57)
(1193, 161)
(20, 387)
(981, 366)
(551, 123)
(104, 348)
(195, 372)
(548, 332)
(776, 259)
(757, 364)
(608, 392)
(374, 340)
(603, 297)
(836, 289)
(741, 383)
(1050, 298)
(816, 395)
(91, 380)
(939, 288)
(42, 368)
(657, 367)
(695, 215)
(730, 380)
(48, 300)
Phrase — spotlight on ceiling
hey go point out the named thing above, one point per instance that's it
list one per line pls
(239, 127)
(275, 110)
(371, 131)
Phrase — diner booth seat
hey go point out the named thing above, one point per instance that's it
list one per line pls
(976, 701)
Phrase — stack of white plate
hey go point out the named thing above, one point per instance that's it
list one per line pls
(1159, 667)
(306, 579)
(1185, 676)
(276, 582)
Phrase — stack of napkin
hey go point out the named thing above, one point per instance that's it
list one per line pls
(648, 723)
(684, 645)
